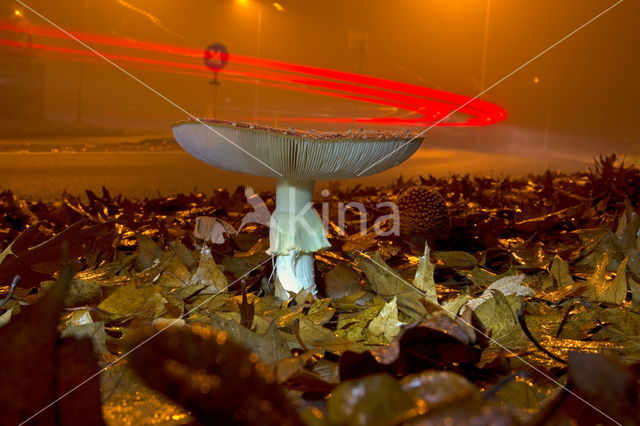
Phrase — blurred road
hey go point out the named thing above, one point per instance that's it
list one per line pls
(42, 174)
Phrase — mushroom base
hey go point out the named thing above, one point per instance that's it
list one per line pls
(294, 272)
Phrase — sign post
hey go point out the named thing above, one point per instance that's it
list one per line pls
(215, 58)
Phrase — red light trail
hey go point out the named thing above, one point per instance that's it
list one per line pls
(431, 106)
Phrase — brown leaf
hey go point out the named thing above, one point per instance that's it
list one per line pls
(247, 310)
(374, 400)
(387, 283)
(76, 366)
(341, 281)
(604, 391)
(436, 342)
(37, 367)
(209, 274)
(270, 347)
(216, 379)
(23, 256)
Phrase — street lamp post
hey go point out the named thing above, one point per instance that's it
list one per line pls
(258, 45)
(485, 44)
(483, 67)
(79, 112)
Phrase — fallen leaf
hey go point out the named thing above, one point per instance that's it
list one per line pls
(604, 391)
(39, 367)
(373, 400)
(387, 283)
(435, 342)
(320, 338)
(130, 300)
(209, 274)
(148, 252)
(341, 281)
(456, 259)
(507, 286)
(560, 272)
(423, 280)
(175, 274)
(270, 347)
(217, 380)
(80, 325)
(497, 315)
(604, 290)
(386, 325)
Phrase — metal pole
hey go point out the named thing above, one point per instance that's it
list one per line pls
(212, 98)
(258, 43)
(483, 67)
(79, 114)
(547, 123)
(485, 44)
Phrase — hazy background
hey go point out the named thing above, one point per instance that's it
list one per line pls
(579, 99)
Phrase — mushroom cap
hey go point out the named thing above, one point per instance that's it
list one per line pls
(263, 151)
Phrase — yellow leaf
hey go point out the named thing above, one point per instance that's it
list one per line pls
(128, 300)
(560, 272)
(387, 283)
(209, 274)
(386, 324)
(424, 276)
(175, 274)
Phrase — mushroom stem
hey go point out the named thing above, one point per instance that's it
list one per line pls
(296, 232)
(294, 271)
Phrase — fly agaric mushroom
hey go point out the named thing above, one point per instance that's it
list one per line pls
(296, 159)
(424, 216)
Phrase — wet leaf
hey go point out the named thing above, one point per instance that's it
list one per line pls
(604, 391)
(373, 400)
(209, 274)
(341, 281)
(129, 300)
(269, 347)
(149, 252)
(175, 274)
(560, 272)
(81, 326)
(315, 336)
(119, 382)
(605, 290)
(387, 283)
(456, 259)
(436, 342)
(25, 255)
(30, 344)
(507, 286)
(359, 242)
(216, 379)
(423, 280)
(440, 388)
(497, 315)
(386, 325)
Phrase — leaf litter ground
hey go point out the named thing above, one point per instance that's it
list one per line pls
(529, 313)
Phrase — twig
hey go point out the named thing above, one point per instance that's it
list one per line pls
(89, 308)
(491, 393)
(12, 288)
(527, 332)
(296, 332)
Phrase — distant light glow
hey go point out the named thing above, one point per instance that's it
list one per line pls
(278, 7)
(17, 12)
(243, 2)
(430, 106)
(536, 80)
